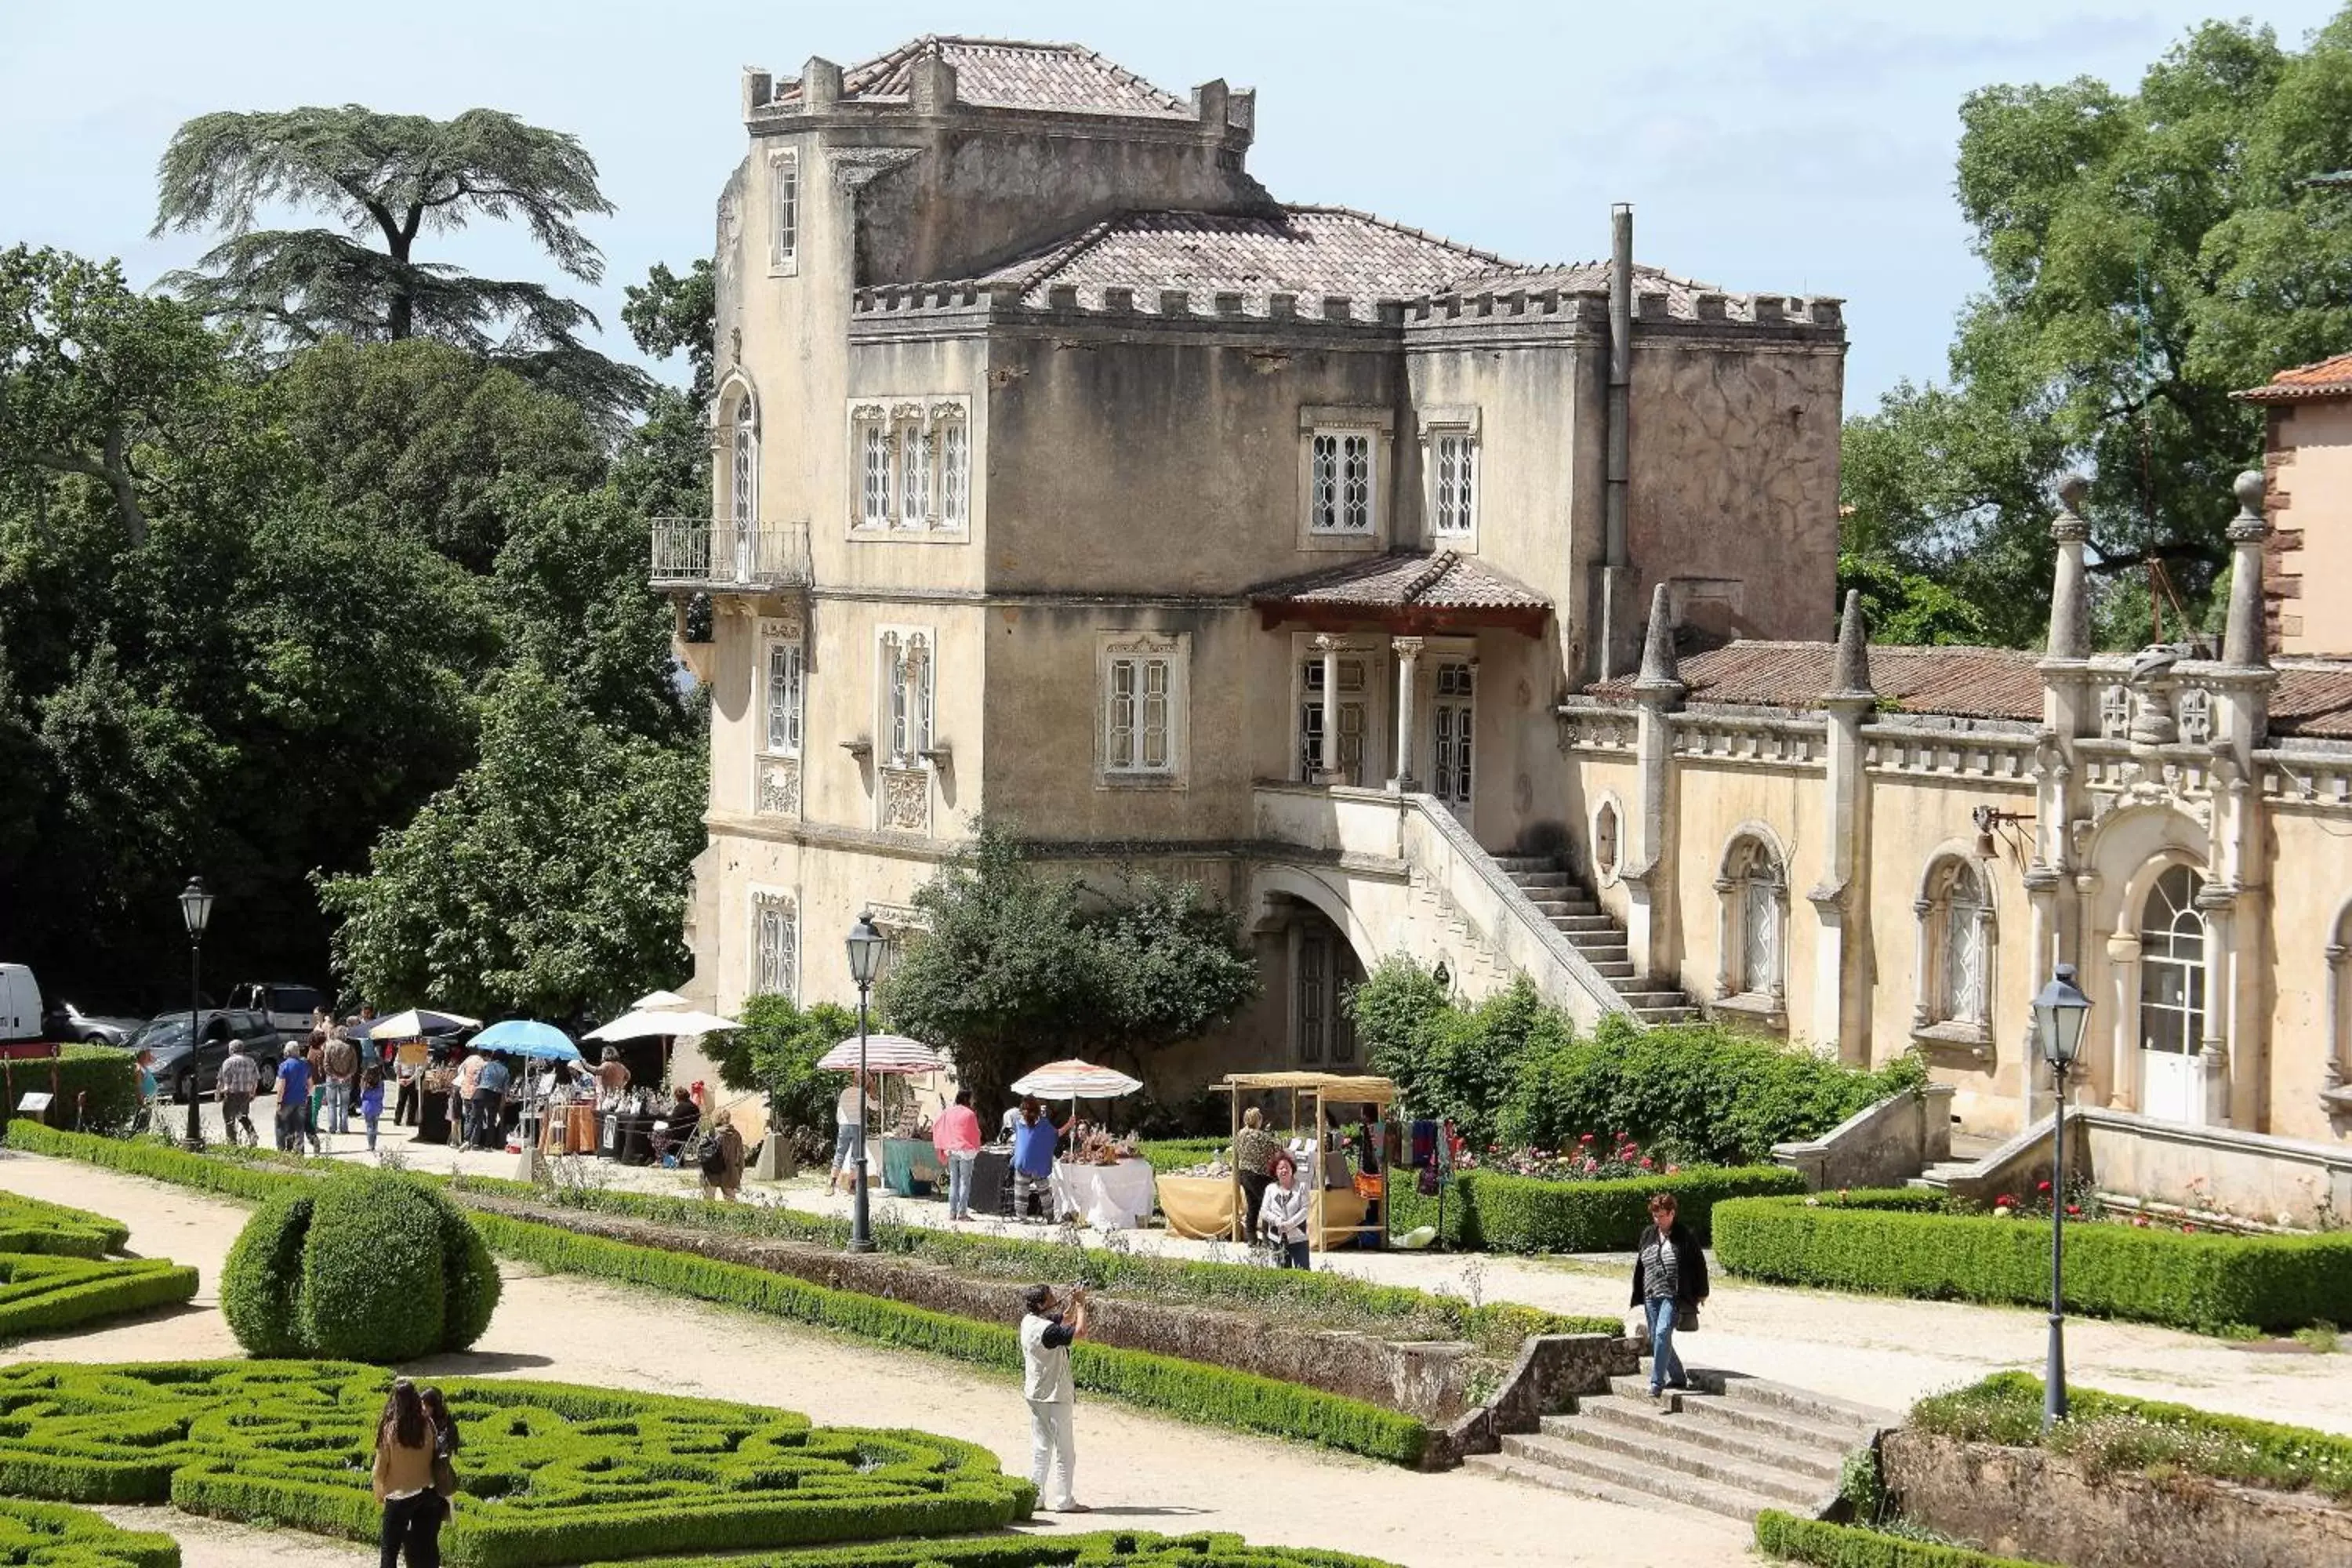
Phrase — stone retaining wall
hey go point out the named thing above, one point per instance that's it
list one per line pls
(2023, 1502)
(1429, 1379)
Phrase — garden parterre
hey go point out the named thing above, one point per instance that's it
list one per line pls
(551, 1473)
(55, 1535)
(54, 1271)
(1120, 1549)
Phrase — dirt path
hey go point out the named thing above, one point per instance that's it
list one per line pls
(1140, 1471)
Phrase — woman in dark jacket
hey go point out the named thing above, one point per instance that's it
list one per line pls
(1669, 1275)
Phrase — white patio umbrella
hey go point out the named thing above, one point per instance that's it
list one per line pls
(891, 1055)
(1074, 1079)
(418, 1022)
(660, 999)
(642, 1023)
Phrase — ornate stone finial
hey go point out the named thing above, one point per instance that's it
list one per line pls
(1660, 671)
(2070, 598)
(1851, 681)
(2245, 637)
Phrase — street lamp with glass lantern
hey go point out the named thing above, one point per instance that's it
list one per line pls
(195, 913)
(2059, 1014)
(866, 944)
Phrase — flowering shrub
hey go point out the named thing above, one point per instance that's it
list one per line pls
(1591, 1159)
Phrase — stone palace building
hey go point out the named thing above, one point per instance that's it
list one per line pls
(1064, 473)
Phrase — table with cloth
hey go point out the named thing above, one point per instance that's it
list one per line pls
(569, 1128)
(910, 1166)
(1108, 1197)
(1200, 1208)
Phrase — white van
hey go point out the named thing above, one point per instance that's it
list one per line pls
(289, 1007)
(20, 1004)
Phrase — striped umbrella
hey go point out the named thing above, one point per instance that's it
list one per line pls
(1074, 1079)
(893, 1054)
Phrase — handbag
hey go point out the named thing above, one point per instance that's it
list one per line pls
(444, 1476)
(1686, 1318)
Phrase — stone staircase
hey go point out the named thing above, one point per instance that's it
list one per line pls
(1578, 917)
(1732, 1445)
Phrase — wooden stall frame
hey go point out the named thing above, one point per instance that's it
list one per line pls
(1319, 1088)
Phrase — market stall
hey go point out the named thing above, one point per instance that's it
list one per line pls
(1343, 1142)
(910, 1167)
(1198, 1208)
(908, 1162)
(1100, 1181)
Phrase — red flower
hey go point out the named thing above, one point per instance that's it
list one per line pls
(2045, 1186)
(1645, 1162)
(2071, 1209)
(1586, 1139)
(2005, 1201)
(2189, 1230)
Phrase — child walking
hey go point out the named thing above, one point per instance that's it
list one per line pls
(371, 1100)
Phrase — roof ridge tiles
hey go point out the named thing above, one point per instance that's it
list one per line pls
(1390, 224)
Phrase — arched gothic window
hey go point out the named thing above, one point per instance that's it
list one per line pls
(2172, 965)
(1955, 947)
(1755, 889)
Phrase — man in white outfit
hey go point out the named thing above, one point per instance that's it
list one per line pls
(1046, 1337)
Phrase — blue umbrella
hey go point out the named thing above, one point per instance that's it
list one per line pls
(525, 1037)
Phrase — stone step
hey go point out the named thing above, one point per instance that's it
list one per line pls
(1600, 946)
(1551, 1477)
(1514, 864)
(1640, 997)
(1555, 909)
(1665, 1450)
(1823, 1409)
(1589, 920)
(1666, 1017)
(1713, 1412)
(1559, 883)
(1591, 1471)
(1612, 970)
(1795, 1449)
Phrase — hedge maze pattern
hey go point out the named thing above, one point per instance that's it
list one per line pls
(551, 1473)
(51, 1535)
(54, 1271)
(1108, 1549)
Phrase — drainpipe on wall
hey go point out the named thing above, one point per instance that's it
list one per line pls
(1616, 556)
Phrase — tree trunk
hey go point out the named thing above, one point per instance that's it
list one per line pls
(400, 310)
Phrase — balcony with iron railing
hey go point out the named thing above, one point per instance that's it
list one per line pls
(697, 554)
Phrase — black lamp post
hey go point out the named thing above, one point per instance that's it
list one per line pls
(866, 945)
(195, 912)
(2059, 1014)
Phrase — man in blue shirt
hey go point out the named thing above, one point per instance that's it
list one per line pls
(293, 1098)
(489, 1102)
(1033, 1154)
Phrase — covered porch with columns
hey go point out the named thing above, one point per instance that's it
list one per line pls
(1387, 656)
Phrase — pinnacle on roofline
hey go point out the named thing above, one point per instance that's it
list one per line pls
(1850, 681)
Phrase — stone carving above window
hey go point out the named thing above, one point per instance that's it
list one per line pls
(906, 799)
(780, 787)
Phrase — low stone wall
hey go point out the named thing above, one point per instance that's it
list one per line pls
(1551, 1370)
(1881, 1145)
(2022, 1503)
(2274, 1181)
(1430, 1379)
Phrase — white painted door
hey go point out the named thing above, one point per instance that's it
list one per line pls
(2172, 998)
(1454, 726)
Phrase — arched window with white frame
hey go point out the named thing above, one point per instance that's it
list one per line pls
(1755, 889)
(741, 427)
(1956, 949)
(775, 946)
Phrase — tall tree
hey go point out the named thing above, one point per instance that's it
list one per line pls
(389, 180)
(2147, 253)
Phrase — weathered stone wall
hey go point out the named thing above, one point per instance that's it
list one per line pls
(2022, 1503)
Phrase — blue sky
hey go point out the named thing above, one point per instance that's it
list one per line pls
(1804, 146)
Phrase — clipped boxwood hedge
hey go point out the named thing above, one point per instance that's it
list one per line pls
(1902, 1243)
(40, 1294)
(1190, 1390)
(54, 1535)
(551, 1473)
(31, 1225)
(102, 1080)
(1122, 1549)
(1844, 1546)
(1484, 1209)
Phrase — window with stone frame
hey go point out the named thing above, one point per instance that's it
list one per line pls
(1143, 706)
(1955, 941)
(1754, 887)
(783, 210)
(954, 437)
(2194, 716)
(912, 458)
(1453, 483)
(873, 441)
(1315, 732)
(2115, 713)
(775, 945)
(1342, 470)
(1606, 833)
(914, 437)
(906, 659)
(785, 668)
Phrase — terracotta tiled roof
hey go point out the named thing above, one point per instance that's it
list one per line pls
(1956, 682)
(1315, 253)
(1583, 277)
(1005, 73)
(2327, 378)
(1406, 579)
(2313, 700)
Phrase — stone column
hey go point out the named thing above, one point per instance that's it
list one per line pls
(1841, 988)
(2216, 1036)
(1329, 646)
(1922, 955)
(2122, 962)
(1646, 840)
(1407, 657)
(1725, 934)
(2333, 1034)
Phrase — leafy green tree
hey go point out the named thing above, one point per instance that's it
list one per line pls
(669, 314)
(1900, 606)
(94, 378)
(1021, 964)
(388, 180)
(551, 878)
(2147, 253)
(776, 1052)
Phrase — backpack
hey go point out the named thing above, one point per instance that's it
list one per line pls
(714, 1159)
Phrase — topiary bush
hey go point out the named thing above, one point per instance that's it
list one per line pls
(365, 1265)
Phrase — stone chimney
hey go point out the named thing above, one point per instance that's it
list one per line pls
(1209, 101)
(820, 83)
(759, 87)
(931, 84)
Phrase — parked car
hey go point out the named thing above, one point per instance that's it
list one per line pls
(175, 1062)
(20, 1005)
(67, 1022)
(289, 1007)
